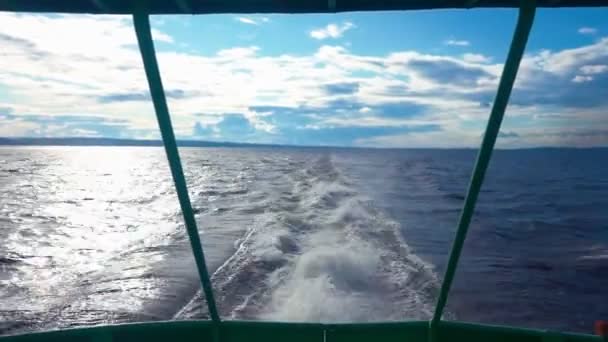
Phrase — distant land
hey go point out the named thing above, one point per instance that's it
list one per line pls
(88, 141)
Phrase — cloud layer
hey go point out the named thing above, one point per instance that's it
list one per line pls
(331, 31)
(587, 30)
(455, 42)
(252, 21)
(82, 75)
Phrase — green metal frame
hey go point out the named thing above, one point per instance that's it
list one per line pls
(507, 79)
(246, 331)
(518, 44)
(233, 331)
(266, 6)
(146, 48)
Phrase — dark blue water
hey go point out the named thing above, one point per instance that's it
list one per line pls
(537, 250)
(94, 235)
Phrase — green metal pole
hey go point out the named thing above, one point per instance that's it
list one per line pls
(520, 38)
(146, 47)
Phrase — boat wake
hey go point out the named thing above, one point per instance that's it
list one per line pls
(320, 252)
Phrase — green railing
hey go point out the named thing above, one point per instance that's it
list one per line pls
(146, 47)
(507, 79)
(233, 331)
(520, 37)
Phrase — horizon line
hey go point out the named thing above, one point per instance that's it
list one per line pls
(132, 142)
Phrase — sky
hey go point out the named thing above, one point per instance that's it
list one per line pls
(383, 79)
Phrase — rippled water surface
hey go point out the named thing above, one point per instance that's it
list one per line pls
(94, 235)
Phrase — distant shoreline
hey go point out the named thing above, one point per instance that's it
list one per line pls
(84, 141)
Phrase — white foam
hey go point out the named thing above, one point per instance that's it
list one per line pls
(353, 265)
(331, 282)
(594, 257)
(325, 255)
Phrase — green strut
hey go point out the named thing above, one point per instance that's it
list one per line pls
(146, 47)
(520, 37)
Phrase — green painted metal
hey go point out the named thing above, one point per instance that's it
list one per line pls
(236, 331)
(385, 332)
(146, 47)
(264, 6)
(246, 331)
(509, 73)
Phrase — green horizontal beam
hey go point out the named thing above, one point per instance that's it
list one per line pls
(239, 331)
(268, 6)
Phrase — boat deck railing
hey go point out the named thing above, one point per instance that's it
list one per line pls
(219, 330)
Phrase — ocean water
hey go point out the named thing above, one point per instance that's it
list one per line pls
(94, 235)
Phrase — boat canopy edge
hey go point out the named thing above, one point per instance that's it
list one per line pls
(266, 6)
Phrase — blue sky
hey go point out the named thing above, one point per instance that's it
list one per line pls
(387, 79)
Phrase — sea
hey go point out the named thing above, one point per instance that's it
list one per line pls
(95, 235)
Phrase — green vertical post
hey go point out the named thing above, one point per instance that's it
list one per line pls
(146, 47)
(520, 38)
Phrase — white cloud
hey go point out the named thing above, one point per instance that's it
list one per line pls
(331, 31)
(16, 128)
(593, 69)
(256, 119)
(452, 138)
(246, 20)
(565, 62)
(366, 121)
(50, 67)
(581, 79)
(238, 52)
(252, 21)
(455, 42)
(587, 71)
(476, 58)
(161, 37)
(81, 132)
(587, 30)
